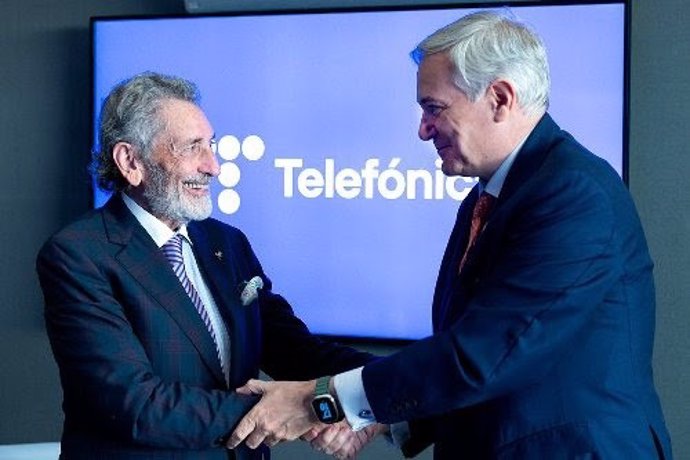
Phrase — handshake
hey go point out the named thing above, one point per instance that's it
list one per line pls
(285, 413)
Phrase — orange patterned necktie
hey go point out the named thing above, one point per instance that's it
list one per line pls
(479, 216)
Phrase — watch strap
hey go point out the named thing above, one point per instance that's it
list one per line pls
(322, 384)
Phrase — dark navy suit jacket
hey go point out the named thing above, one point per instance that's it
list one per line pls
(542, 345)
(139, 371)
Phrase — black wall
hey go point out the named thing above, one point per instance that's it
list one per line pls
(44, 145)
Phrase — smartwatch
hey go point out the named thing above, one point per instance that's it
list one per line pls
(325, 405)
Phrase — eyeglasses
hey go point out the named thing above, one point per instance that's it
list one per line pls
(195, 148)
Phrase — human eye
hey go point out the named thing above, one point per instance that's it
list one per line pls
(433, 110)
(196, 147)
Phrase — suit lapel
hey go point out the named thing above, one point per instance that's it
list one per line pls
(448, 286)
(143, 260)
(217, 265)
(219, 268)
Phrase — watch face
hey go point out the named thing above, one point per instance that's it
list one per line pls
(325, 409)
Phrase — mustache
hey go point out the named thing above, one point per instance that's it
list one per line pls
(198, 179)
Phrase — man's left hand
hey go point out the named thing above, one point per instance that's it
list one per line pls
(340, 441)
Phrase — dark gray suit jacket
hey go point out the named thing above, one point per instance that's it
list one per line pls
(139, 371)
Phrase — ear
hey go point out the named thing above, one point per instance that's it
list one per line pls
(127, 162)
(503, 99)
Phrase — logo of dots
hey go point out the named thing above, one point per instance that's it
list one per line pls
(229, 148)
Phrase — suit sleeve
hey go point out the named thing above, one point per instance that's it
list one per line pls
(107, 378)
(290, 350)
(552, 262)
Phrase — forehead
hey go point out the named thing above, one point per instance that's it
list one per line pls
(184, 120)
(435, 78)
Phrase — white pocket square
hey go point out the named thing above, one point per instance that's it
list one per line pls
(251, 290)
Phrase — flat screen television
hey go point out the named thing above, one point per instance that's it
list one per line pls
(316, 117)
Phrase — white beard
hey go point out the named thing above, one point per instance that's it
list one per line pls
(167, 199)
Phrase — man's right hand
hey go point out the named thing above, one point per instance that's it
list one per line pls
(284, 413)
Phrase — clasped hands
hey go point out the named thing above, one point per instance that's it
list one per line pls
(284, 413)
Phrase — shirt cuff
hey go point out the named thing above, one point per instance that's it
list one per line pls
(349, 389)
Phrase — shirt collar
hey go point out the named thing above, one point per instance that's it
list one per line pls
(495, 183)
(160, 232)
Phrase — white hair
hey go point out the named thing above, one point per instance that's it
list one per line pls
(130, 113)
(487, 46)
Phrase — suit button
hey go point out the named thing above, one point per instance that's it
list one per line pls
(222, 440)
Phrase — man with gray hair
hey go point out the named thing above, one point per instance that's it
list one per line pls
(543, 313)
(154, 311)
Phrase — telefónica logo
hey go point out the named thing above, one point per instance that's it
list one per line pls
(229, 148)
(375, 180)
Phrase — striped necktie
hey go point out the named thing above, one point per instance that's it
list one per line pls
(172, 250)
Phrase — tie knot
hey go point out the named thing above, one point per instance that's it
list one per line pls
(172, 249)
(483, 205)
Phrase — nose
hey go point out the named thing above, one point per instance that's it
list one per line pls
(209, 163)
(426, 128)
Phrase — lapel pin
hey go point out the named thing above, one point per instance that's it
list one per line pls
(219, 255)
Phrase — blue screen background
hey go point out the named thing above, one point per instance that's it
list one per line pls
(342, 87)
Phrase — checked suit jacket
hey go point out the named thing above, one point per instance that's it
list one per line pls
(139, 371)
(542, 344)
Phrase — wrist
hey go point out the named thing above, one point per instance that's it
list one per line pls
(325, 401)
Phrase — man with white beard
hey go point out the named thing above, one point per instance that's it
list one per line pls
(154, 311)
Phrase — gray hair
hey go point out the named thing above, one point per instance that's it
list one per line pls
(486, 46)
(130, 114)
